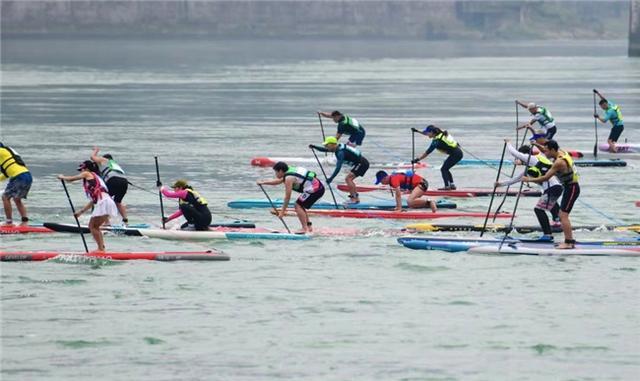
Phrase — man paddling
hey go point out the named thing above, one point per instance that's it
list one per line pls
(12, 167)
(408, 181)
(564, 168)
(346, 125)
(347, 155)
(542, 116)
(99, 199)
(302, 181)
(114, 177)
(612, 114)
(538, 165)
(190, 205)
(445, 143)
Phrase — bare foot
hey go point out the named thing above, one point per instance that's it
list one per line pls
(565, 246)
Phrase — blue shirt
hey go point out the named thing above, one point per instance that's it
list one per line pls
(612, 116)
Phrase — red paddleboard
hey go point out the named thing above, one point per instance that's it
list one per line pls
(468, 192)
(573, 153)
(407, 215)
(208, 255)
(271, 161)
(19, 229)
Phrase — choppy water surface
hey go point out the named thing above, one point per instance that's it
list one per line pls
(327, 309)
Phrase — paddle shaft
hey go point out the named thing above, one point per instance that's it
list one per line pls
(159, 192)
(73, 210)
(595, 126)
(139, 187)
(413, 148)
(506, 192)
(493, 194)
(274, 208)
(515, 207)
(325, 178)
(322, 130)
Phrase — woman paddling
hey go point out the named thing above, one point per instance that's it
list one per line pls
(443, 142)
(96, 191)
(192, 206)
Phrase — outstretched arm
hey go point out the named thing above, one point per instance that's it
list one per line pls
(98, 159)
(270, 182)
(521, 104)
(324, 114)
(318, 148)
(599, 94)
(82, 175)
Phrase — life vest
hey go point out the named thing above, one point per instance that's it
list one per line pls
(301, 176)
(94, 188)
(193, 198)
(409, 179)
(571, 176)
(617, 120)
(11, 164)
(351, 155)
(547, 117)
(448, 140)
(111, 167)
(351, 123)
(542, 166)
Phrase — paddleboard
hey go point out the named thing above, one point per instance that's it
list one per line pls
(389, 214)
(374, 205)
(621, 148)
(208, 255)
(466, 192)
(19, 229)
(523, 249)
(428, 227)
(578, 163)
(326, 160)
(193, 235)
(134, 229)
(455, 244)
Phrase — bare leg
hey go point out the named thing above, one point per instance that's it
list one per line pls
(94, 227)
(567, 230)
(612, 146)
(6, 203)
(352, 187)
(122, 209)
(21, 209)
(302, 216)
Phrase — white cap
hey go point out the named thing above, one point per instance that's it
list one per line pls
(531, 105)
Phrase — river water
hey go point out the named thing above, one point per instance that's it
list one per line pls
(344, 308)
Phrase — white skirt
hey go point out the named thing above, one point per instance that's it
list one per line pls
(105, 207)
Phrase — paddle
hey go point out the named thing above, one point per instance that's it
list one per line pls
(515, 207)
(493, 194)
(413, 148)
(325, 178)
(322, 130)
(274, 208)
(73, 210)
(595, 125)
(139, 187)
(159, 192)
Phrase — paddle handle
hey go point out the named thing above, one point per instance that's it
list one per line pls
(322, 130)
(274, 208)
(159, 192)
(495, 186)
(73, 210)
(326, 179)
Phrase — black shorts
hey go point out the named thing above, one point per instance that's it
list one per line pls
(550, 132)
(358, 137)
(306, 200)
(569, 196)
(361, 168)
(615, 133)
(424, 185)
(117, 188)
